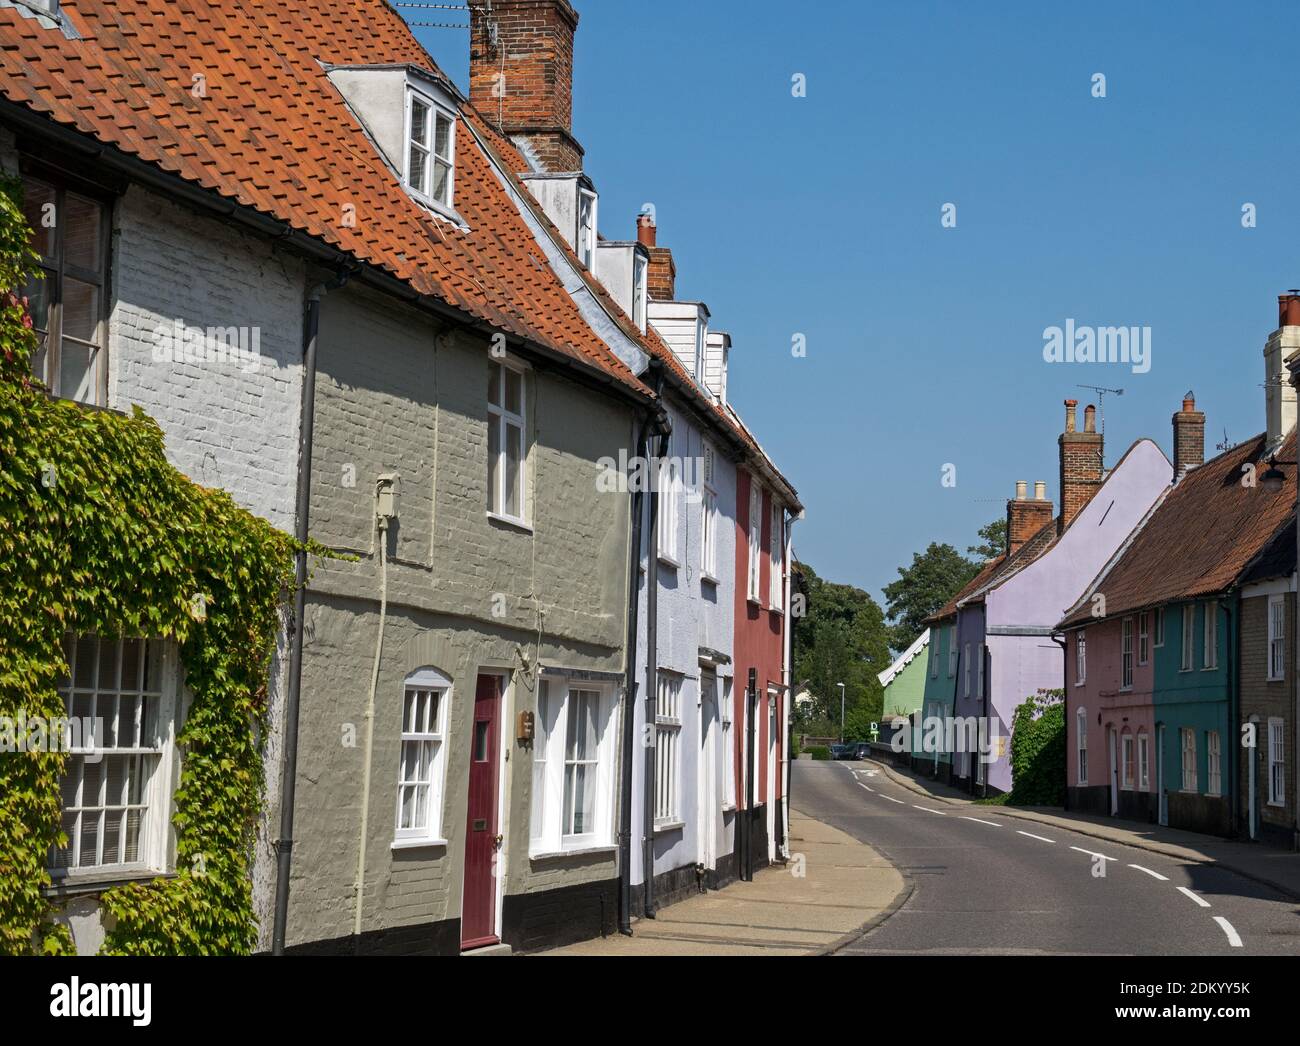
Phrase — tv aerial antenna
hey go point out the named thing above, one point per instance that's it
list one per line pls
(1101, 409)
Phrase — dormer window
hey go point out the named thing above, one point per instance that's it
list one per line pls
(431, 149)
(586, 227)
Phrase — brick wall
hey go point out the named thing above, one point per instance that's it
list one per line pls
(1080, 471)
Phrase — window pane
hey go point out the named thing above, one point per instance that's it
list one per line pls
(494, 384)
(38, 209)
(80, 310)
(442, 137)
(77, 371)
(441, 182)
(481, 741)
(419, 122)
(81, 232)
(514, 391)
(514, 456)
(37, 292)
(417, 168)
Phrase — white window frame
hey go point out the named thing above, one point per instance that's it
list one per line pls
(1081, 743)
(1187, 745)
(1126, 654)
(503, 419)
(1127, 762)
(709, 535)
(952, 651)
(775, 556)
(668, 746)
(1276, 648)
(1276, 762)
(1144, 761)
(1159, 627)
(755, 539)
(1144, 638)
(1081, 657)
(965, 651)
(585, 239)
(1213, 763)
(979, 670)
(670, 483)
(640, 289)
(1188, 652)
(152, 747)
(430, 731)
(1210, 654)
(552, 758)
(436, 109)
(934, 657)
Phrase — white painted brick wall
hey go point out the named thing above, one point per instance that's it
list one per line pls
(224, 427)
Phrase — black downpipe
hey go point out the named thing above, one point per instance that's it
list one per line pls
(751, 710)
(289, 766)
(651, 675)
(1233, 733)
(630, 687)
(1059, 639)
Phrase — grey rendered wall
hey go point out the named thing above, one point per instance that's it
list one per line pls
(392, 399)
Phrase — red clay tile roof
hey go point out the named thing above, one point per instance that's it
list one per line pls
(981, 578)
(274, 134)
(1201, 538)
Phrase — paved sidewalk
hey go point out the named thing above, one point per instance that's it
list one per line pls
(846, 885)
(1279, 869)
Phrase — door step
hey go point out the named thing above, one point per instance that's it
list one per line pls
(491, 949)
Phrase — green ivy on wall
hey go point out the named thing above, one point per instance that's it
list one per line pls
(99, 534)
(1038, 751)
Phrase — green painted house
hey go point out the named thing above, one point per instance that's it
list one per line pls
(904, 682)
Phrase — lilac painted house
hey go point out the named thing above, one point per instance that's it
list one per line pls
(1007, 615)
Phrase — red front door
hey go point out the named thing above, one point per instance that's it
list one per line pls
(479, 904)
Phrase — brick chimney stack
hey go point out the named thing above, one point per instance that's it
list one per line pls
(1081, 454)
(1189, 437)
(521, 75)
(661, 279)
(1026, 516)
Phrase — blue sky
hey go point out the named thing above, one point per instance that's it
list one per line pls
(821, 215)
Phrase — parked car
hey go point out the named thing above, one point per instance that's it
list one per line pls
(861, 750)
(844, 751)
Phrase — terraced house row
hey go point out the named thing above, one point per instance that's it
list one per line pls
(532, 698)
(1160, 601)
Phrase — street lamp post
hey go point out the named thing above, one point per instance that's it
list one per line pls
(841, 686)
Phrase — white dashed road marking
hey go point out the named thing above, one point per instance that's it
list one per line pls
(893, 800)
(929, 811)
(978, 821)
(1195, 897)
(1154, 875)
(1234, 939)
(1040, 838)
(1091, 853)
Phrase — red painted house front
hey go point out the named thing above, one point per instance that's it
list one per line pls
(760, 652)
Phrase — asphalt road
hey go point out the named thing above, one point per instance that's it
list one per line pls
(984, 884)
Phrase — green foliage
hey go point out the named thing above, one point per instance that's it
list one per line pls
(819, 752)
(841, 638)
(98, 533)
(1038, 751)
(934, 577)
(993, 541)
(857, 724)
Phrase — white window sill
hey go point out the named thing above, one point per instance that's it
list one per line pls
(510, 521)
(1279, 804)
(728, 808)
(418, 844)
(1209, 668)
(753, 601)
(94, 880)
(664, 827)
(668, 561)
(1275, 679)
(571, 851)
(712, 579)
(1126, 689)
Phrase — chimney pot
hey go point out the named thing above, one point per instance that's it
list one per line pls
(1090, 418)
(1070, 406)
(1288, 309)
(1189, 402)
(645, 230)
(1020, 489)
(1040, 490)
(1081, 454)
